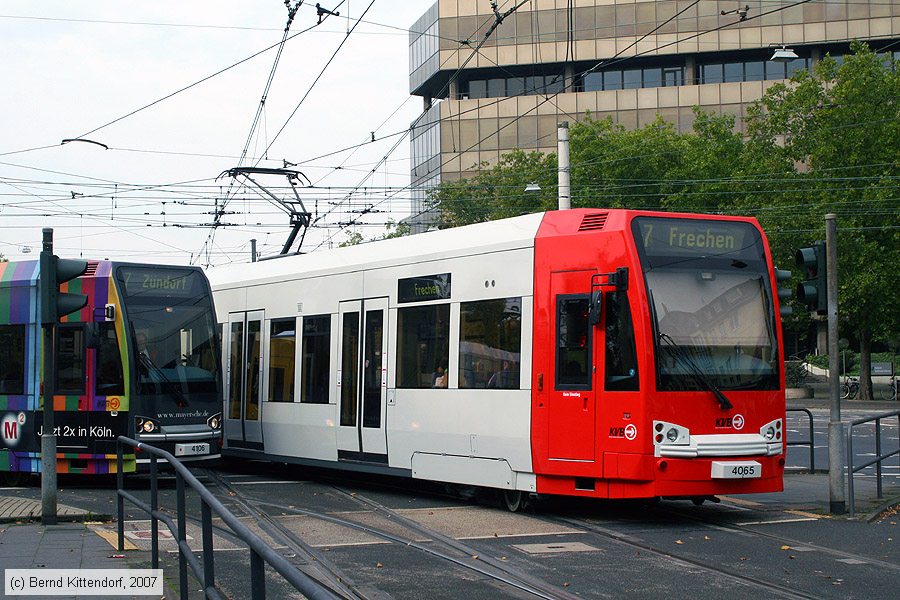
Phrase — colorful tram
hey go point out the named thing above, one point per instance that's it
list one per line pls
(140, 359)
(596, 353)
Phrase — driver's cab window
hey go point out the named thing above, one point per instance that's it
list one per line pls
(621, 356)
(109, 381)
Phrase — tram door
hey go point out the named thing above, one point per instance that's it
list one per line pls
(243, 377)
(362, 380)
(572, 414)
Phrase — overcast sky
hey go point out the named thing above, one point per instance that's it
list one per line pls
(71, 67)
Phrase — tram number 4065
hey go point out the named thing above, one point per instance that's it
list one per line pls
(749, 469)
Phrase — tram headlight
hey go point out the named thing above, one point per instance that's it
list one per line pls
(149, 426)
(670, 434)
(215, 421)
(771, 431)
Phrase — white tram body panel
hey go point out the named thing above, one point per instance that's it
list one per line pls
(474, 436)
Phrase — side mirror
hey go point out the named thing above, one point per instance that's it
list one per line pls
(596, 307)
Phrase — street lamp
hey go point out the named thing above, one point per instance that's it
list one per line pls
(784, 55)
(532, 187)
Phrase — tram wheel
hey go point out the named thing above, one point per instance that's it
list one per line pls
(12, 479)
(698, 500)
(513, 500)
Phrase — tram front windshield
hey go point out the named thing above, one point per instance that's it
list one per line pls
(711, 303)
(172, 328)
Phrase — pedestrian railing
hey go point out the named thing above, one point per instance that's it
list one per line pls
(876, 460)
(808, 441)
(260, 553)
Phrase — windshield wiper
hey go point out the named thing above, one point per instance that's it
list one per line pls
(696, 372)
(167, 383)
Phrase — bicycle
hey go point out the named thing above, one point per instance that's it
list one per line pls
(849, 388)
(890, 392)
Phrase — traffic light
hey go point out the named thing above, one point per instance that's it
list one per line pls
(54, 272)
(814, 290)
(784, 294)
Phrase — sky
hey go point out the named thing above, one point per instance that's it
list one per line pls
(78, 69)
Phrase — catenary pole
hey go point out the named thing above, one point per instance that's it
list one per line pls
(836, 454)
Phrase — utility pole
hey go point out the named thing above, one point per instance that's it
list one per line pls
(253, 250)
(836, 455)
(48, 437)
(562, 147)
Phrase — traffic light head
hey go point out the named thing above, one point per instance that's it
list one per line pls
(55, 271)
(784, 294)
(813, 291)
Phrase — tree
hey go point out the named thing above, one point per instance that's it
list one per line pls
(840, 127)
(498, 192)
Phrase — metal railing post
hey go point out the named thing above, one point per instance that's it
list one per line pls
(209, 563)
(120, 500)
(810, 441)
(182, 535)
(878, 488)
(257, 576)
(850, 471)
(154, 507)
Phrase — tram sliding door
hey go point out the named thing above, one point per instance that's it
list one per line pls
(362, 380)
(243, 379)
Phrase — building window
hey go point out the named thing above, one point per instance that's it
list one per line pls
(631, 79)
(490, 343)
(70, 363)
(316, 359)
(423, 346)
(12, 359)
(478, 88)
(282, 355)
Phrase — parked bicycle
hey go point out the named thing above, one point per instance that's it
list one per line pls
(890, 392)
(849, 387)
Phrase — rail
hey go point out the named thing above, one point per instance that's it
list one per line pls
(877, 460)
(807, 442)
(260, 553)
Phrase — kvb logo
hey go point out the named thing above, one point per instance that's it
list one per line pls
(737, 422)
(11, 429)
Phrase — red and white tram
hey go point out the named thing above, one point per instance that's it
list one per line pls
(598, 353)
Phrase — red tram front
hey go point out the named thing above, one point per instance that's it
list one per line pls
(657, 367)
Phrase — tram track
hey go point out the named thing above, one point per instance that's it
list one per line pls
(781, 539)
(630, 541)
(306, 558)
(435, 544)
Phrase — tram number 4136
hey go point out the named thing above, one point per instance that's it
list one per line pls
(749, 469)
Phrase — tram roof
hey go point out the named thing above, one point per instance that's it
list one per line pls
(469, 240)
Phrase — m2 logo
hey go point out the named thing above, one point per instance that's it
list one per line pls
(736, 422)
(11, 429)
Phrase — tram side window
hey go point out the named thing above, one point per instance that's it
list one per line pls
(70, 360)
(12, 359)
(423, 346)
(316, 359)
(573, 343)
(109, 381)
(282, 353)
(490, 344)
(621, 354)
